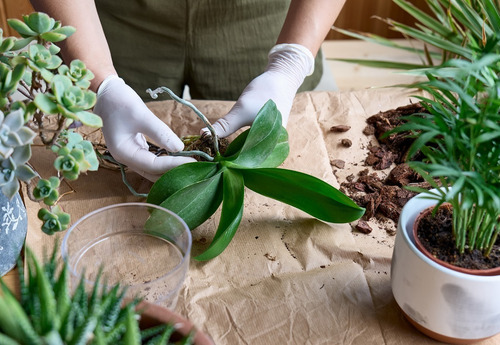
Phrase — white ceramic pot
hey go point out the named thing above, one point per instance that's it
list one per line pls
(445, 304)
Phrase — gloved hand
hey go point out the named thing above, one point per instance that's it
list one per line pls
(287, 68)
(126, 119)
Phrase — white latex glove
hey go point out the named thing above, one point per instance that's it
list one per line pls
(287, 68)
(126, 119)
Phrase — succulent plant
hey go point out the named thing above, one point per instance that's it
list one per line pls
(54, 98)
(50, 313)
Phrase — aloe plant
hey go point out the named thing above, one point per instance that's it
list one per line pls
(48, 312)
(52, 98)
(450, 29)
(195, 190)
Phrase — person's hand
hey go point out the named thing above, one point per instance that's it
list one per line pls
(287, 68)
(126, 120)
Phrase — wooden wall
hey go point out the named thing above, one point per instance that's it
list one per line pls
(356, 15)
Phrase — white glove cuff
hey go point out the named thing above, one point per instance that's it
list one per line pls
(298, 49)
(105, 83)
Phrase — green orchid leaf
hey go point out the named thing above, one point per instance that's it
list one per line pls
(178, 178)
(195, 203)
(235, 146)
(89, 119)
(280, 152)
(277, 156)
(231, 215)
(262, 137)
(22, 28)
(305, 192)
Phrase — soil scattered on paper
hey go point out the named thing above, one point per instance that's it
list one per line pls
(384, 198)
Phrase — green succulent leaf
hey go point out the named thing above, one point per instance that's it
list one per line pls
(89, 119)
(54, 220)
(262, 137)
(21, 27)
(179, 178)
(305, 192)
(195, 203)
(39, 22)
(22, 43)
(231, 215)
(7, 44)
(46, 103)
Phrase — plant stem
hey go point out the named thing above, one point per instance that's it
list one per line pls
(154, 95)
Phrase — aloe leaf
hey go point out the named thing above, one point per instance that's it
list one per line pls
(232, 212)
(46, 295)
(132, 334)
(13, 320)
(262, 138)
(178, 178)
(305, 192)
(195, 203)
(63, 294)
(5, 340)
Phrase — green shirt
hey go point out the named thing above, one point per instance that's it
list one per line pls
(216, 47)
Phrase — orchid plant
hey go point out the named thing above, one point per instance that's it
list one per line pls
(195, 190)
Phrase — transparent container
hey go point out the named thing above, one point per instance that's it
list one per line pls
(142, 246)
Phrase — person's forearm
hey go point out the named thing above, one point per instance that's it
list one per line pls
(308, 22)
(88, 43)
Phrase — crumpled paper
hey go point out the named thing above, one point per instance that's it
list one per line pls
(286, 278)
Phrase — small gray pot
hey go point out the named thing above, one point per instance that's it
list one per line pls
(13, 229)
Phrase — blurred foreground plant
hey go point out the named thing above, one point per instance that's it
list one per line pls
(50, 313)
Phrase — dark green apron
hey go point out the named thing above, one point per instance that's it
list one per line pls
(216, 47)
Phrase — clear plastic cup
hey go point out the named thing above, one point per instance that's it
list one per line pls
(139, 245)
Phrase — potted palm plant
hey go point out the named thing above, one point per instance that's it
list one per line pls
(49, 311)
(42, 100)
(458, 136)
